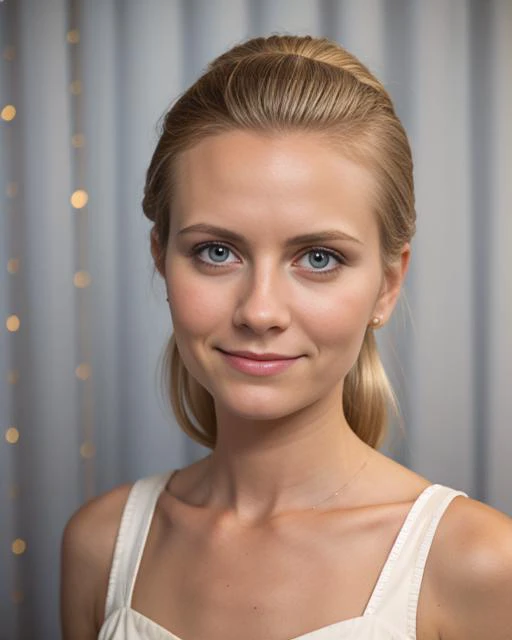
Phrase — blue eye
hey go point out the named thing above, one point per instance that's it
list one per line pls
(319, 258)
(216, 254)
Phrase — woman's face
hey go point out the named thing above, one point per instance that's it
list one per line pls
(244, 272)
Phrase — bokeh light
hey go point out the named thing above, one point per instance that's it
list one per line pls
(12, 323)
(81, 279)
(13, 265)
(79, 198)
(12, 435)
(19, 546)
(73, 36)
(83, 371)
(87, 450)
(8, 113)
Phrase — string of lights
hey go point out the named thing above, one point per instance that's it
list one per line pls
(82, 280)
(11, 187)
(13, 431)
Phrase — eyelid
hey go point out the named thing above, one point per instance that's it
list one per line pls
(212, 243)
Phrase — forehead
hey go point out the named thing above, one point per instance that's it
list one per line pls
(270, 183)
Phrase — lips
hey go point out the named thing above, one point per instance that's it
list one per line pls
(250, 355)
(258, 364)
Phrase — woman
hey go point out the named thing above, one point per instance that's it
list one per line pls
(281, 197)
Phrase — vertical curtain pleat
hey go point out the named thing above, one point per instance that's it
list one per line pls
(9, 250)
(360, 28)
(148, 74)
(46, 460)
(291, 16)
(448, 349)
(101, 113)
(441, 291)
(211, 27)
(499, 216)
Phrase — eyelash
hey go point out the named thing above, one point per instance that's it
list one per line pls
(195, 251)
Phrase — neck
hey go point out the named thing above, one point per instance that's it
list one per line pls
(262, 469)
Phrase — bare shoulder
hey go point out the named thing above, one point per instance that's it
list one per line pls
(471, 569)
(87, 548)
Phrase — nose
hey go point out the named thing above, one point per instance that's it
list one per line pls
(262, 301)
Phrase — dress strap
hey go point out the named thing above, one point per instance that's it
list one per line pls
(445, 497)
(396, 594)
(131, 539)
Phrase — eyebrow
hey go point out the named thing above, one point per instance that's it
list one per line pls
(322, 236)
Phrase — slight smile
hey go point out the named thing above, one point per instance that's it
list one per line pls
(258, 364)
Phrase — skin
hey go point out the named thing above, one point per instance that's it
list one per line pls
(277, 448)
(283, 441)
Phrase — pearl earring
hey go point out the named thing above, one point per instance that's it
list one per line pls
(375, 321)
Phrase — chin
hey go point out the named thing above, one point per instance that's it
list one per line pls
(258, 404)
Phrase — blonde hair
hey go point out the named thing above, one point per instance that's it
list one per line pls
(275, 85)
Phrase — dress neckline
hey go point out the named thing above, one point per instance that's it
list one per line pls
(304, 636)
(376, 594)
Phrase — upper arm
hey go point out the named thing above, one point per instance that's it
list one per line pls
(474, 573)
(87, 549)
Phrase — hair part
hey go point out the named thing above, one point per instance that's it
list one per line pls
(273, 86)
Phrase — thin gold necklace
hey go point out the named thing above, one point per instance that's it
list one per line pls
(343, 486)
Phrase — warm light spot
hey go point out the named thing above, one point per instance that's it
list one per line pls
(73, 36)
(14, 492)
(17, 596)
(78, 140)
(12, 189)
(79, 198)
(8, 53)
(81, 279)
(19, 546)
(13, 265)
(87, 450)
(13, 377)
(76, 87)
(12, 435)
(8, 112)
(83, 371)
(13, 323)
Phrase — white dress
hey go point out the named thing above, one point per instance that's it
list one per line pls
(389, 615)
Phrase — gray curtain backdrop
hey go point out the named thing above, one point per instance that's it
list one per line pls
(80, 406)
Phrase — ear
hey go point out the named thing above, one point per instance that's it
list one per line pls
(392, 284)
(157, 252)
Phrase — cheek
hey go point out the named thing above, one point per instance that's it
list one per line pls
(337, 324)
(196, 309)
(196, 306)
(341, 316)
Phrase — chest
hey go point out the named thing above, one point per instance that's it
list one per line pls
(276, 585)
